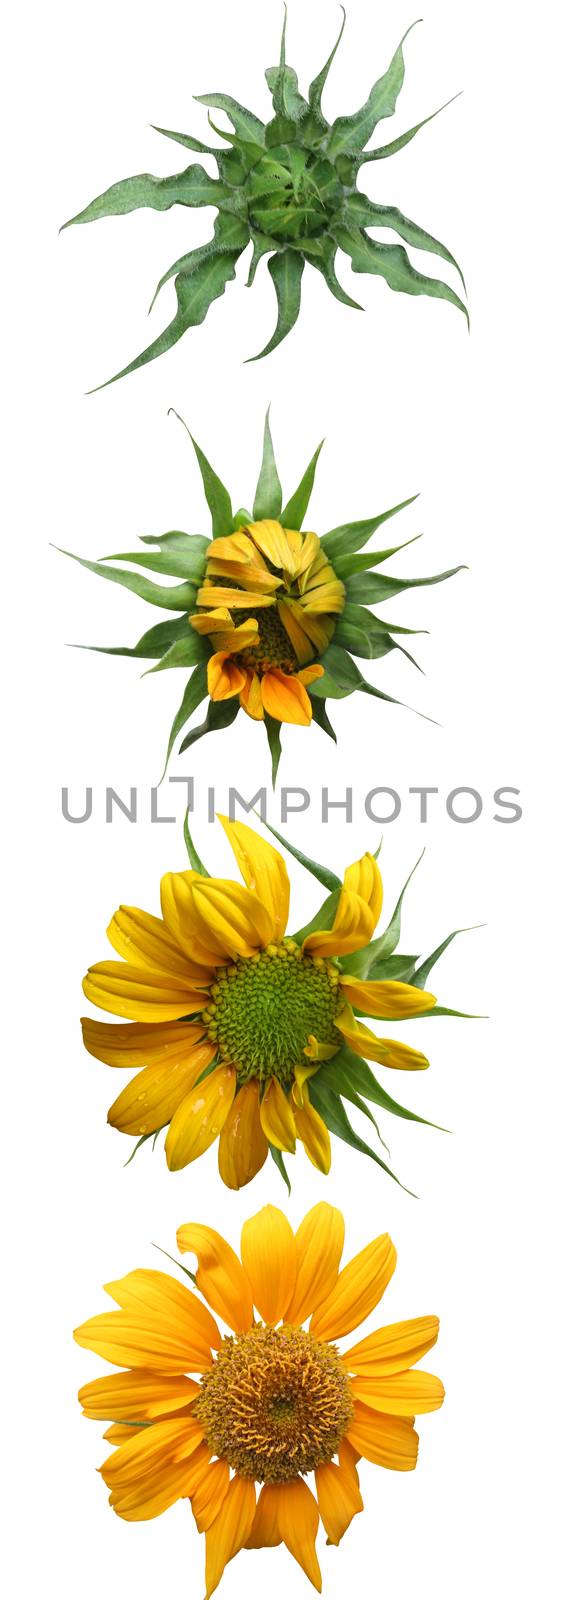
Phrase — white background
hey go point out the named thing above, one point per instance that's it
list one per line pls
(407, 401)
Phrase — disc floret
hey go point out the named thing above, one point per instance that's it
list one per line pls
(276, 1403)
(264, 1010)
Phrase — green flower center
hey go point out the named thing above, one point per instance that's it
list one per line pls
(293, 194)
(276, 1403)
(264, 1008)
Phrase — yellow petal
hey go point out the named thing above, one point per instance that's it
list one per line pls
(139, 1044)
(221, 913)
(153, 1096)
(319, 630)
(200, 1118)
(225, 678)
(298, 1522)
(338, 1498)
(229, 1530)
(161, 1326)
(352, 928)
(242, 637)
(208, 1488)
(243, 1146)
(269, 1257)
(312, 673)
(358, 1289)
(312, 1131)
(251, 696)
(146, 941)
(318, 1245)
(248, 574)
(277, 1117)
(386, 999)
(285, 698)
(141, 993)
(303, 646)
(265, 1530)
(232, 547)
(392, 1349)
(220, 1276)
(404, 1394)
(152, 1470)
(363, 877)
(217, 621)
(263, 870)
(387, 1441)
(269, 537)
(237, 599)
(388, 1052)
(142, 1396)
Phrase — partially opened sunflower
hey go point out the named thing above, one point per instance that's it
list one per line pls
(243, 1032)
(271, 1404)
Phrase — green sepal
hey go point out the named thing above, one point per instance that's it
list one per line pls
(391, 261)
(371, 588)
(186, 1271)
(323, 920)
(285, 270)
(364, 213)
(317, 86)
(188, 141)
(284, 88)
(171, 562)
(139, 1142)
(362, 962)
(342, 676)
(365, 635)
(277, 1158)
(294, 512)
(230, 234)
(268, 495)
(195, 543)
(394, 969)
(184, 652)
(152, 644)
(217, 497)
(273, 730)
(319, 715)
(324, 875)
(395, 145)
(220, 714)
(192, 187)
(195, 691)
(350, 1071)
(176, 598)
(324, 261)
(421, 975)
(349, 565)
(337, 1121)
(353, 535)
(350, 134)
(247, 126)
(196, 864)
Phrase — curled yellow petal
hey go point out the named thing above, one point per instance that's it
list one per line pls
(387, 1441)
(269, 1258)
(358, 1289)
(312, 1131)
(388, 1052)
(286, 698)
(153, 1096)
(363, 877)
(220, 1276)
(161, 1326)
(243, 1147)
(141, 993)
(225, 678)
(263, 870)
(200, 1118)
(318, 1245)
(277, 1117)
(251, 696)
(352, 928)
(390, 1001)
(138, 1044)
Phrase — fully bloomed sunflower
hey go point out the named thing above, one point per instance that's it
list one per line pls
(270, 616)
(272, 1403)
(242, 1032)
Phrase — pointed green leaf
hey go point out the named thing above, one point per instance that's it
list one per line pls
(362, 962)
(421, 975)
(192, 187)
(183, 653)
(152, 644)
(217, 497)
(261, 246)
(336, 1119)
(274, 737)
(195, 691)
(324, 875)
(398, 144)
(347, 565)
(172, 562)
(196, 864)
(391, 261)
(363, 634)
(188, 141)
(324, 261)
(370, 588)
(364, 213)
(268, 496)
(323, 920)
(285, 270)
(294, 512)
(351, 133)
(351, 1072)
(395, 969)
(230, 234)
(196, 289)
(353, 535)
(247, 126)
(319, 714)
(279, 1162)
(177, 597)
(220, 714)
(316, 88)
(194, 543)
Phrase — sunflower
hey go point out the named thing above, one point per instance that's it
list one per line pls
(271, 1403)
(270, 617)
(243, 1032)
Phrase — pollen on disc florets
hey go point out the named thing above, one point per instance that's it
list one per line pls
(276, 1403)
(264, 1008)
(274, 647)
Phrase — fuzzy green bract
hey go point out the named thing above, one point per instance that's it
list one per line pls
(359, 632)
(288, 188)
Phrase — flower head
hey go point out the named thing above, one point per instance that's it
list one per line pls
(242, 1032)
(288, 188)
(270, 616)
(213, 1417)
